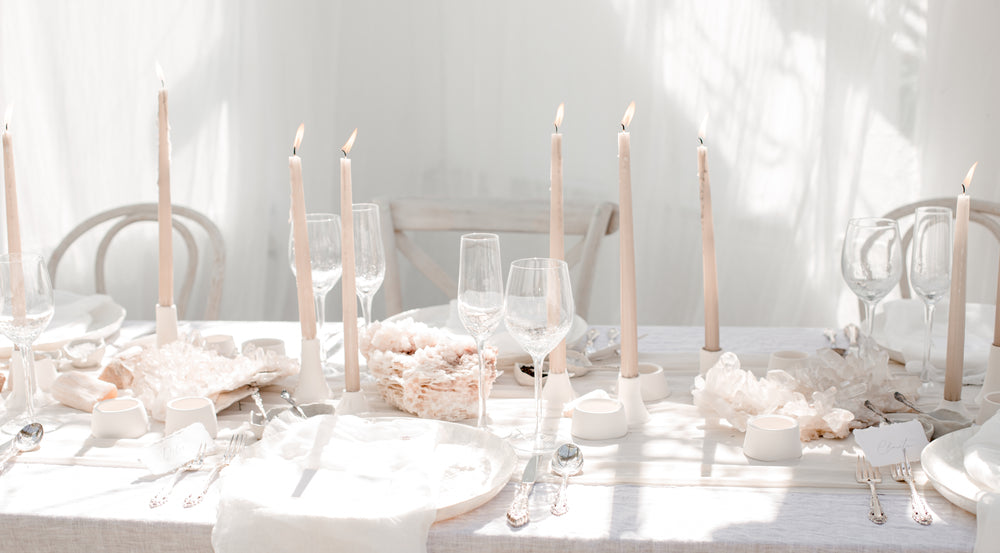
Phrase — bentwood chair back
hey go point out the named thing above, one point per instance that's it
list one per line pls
(183, 217)
(401, 217)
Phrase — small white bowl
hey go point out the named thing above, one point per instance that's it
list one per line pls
(185, 411)
(123, 417)
(772, 438)
(989, 407)
(785, 360)
(222, 344)
(599, 419)
(85, 352)
(652, 382)
(266, 344)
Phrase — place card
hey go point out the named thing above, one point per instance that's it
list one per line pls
(884, 445)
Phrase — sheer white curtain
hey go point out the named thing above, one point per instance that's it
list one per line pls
(818, 111)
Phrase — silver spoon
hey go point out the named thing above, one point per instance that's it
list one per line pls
(566, 461)
(25, 440)
(944, 415)
(871, 407)
(288, 397)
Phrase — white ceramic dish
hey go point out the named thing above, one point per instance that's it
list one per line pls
(943, 462)
(444, 316)
(76, 316)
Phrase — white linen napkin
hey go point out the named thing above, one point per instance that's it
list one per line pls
(331, 483)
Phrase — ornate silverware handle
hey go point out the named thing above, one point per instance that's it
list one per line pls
(517, 515)
(920, 512)
(875, 512)
(559, 507)
(192, 500)
(161, 497)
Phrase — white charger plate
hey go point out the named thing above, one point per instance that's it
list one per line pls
(943, 461)
(76, 316)
(443, 316)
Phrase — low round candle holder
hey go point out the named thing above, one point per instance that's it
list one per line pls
(166, 324)
(558, 391)
(653, 382)
(708, 359)
(352, 403)
(599, 419)
(312, 386)
(772, 438)
(630, 395)
(992, 382)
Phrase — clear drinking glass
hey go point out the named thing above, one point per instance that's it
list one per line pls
(369, 256)
(538, 313)
(26, 308)
(480, 297)
(871, 261)
(324, 257)
(930, 268)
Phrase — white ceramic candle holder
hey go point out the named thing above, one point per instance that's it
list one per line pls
(992, 382)
(653, 382)
(630, 395)
(312, 386)
(786, 360)
(223, 344)
(185, 411)
(557, 390)
(707, 359)
(123, 417)
(989, 407)
(352, 403)
(599, 419)
(772, 438)
(271, 345)
(166, 324)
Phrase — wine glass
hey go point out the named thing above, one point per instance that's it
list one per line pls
(369, 256)
(480, 297)
(26, 308)
(539, 313)
(871, 261)
(324, 257)
(930, 268)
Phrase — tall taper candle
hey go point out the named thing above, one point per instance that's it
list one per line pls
(300, 233)
(164, 213)
(18, 308)
(710, 277)
(348, 285)
(956, 302)
(557, 357)
(630, 329)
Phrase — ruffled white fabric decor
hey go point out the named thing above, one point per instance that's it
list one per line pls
(429, 372)
(331, 483)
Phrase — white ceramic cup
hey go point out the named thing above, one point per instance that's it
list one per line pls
(652, 382)
(989, 407)
(185, 411)
(123, 417)
(785, 360)
(599, 419)
(267, 344)
(222, 344)
(772, 438)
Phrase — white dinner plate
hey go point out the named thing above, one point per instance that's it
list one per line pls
(943, 461)
(76, 316)
(446, 316)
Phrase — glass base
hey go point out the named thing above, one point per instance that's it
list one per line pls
(524, 440)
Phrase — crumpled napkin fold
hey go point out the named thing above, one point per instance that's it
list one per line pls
(331, 483)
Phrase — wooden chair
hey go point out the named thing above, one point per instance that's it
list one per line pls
(135, 213)
(591, 221)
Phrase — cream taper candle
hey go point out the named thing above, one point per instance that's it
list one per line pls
(348, 285)
(164, 213)
(630, 330)
(956, 302)
(709, 273)
(19, 308)
(557, 357)
(300, 234)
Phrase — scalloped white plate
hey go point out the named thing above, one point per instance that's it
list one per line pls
(76, 316)
(943, 461)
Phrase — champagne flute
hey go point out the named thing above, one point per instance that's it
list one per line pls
(26, 308)
(539, 313)
(324, 257)
(930, 268)
(871, 261)
(480, 298)
(369, 256)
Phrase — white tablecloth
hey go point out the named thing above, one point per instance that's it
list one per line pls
(701, 500)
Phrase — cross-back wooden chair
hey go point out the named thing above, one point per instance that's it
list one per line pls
(182, 218)
(591, 221)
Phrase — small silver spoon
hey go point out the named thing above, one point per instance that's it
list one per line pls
(944, 415)
(288, 397)
(566, 461)
(25, 440)
(871, 407)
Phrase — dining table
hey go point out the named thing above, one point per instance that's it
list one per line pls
(678, 483)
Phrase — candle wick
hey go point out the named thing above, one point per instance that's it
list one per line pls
(701, 141)
(623, 127)
(556, 126)
(963, 188)
(293, 151)
(345, 152)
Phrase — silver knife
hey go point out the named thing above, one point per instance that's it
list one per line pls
(517, 515)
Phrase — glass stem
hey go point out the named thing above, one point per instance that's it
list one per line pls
(925, 372)
(28, 365)
(481, 418)
(869, 324)
(320, 299)
(366, 308)
(537, 365)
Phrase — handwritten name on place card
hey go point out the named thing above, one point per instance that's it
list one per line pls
(884, 445)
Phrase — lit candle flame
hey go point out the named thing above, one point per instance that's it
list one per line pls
(298, 138)
(159, 73)
(350, 142)
(627, 118)
(559, 116)
(701, 129)
(968, 177)
(6, 116)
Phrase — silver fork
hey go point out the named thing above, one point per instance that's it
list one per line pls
(234, 448)
(902, 472)
(868, 474)
(194, 464)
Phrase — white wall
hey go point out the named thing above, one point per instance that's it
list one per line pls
(819, 111)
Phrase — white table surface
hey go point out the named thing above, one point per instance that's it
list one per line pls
(55, 507)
